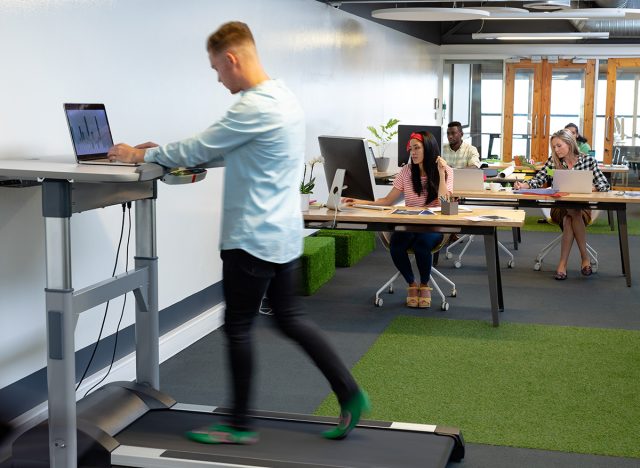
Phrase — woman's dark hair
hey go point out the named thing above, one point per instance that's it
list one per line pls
(579, 138)
(431, 152)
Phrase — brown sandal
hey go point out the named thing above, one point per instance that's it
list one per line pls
(424, 301)
(412, 296)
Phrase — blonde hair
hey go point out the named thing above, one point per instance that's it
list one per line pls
(567, 137)
(228, 35)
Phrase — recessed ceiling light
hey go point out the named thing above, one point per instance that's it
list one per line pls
(429, 14)
(548, 5)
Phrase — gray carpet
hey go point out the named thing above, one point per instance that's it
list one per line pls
(343, 308)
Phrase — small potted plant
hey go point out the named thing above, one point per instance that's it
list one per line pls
(306, 187)
(382, 136)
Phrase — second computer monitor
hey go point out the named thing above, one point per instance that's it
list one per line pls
(350, 154)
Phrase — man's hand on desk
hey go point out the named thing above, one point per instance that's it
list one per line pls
(129, 154)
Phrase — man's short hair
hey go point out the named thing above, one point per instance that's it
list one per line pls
(228, 35)
(455, 124)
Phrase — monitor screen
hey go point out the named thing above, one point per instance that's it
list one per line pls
(349, 154)
(405, 131)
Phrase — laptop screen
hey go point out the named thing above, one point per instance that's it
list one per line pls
(89, 129)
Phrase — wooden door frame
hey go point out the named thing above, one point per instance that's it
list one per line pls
(541, 121)
(507, 123)
(613, 64)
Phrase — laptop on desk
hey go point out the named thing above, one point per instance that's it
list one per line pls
(465, 180)
(90, 134)
(572, 181)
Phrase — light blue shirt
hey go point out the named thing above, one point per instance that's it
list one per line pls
(260, 141)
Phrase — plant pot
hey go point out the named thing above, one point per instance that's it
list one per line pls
(304, 201)
(382, 164)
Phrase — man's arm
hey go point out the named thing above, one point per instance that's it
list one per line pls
(241, 123)
(474, 157)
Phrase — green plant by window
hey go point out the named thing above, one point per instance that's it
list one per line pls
(383, 134)
(307, 187)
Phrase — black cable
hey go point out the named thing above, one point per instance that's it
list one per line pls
(106, 309)
(124, 303)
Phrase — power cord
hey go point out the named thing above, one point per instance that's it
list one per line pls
(106, 309)
(124, 303)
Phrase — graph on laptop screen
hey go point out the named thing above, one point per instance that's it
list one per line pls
(89, 131)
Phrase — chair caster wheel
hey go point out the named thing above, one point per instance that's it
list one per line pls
(454, 292)
(378, 302)
(511, 264)
(457, 264)
(537, 266)
(445, 306)
(594, 268)
(448, 255)
(390, 290)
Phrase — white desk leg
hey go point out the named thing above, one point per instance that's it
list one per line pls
(63, 447)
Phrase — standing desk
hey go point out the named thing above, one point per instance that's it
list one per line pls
(610, 201)
(133, 423)
(374, 220)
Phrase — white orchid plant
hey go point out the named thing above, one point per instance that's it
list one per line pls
(307, 187)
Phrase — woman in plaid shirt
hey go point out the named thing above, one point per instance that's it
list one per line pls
(573, 222)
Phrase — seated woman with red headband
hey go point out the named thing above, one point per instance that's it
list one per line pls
(423, 181)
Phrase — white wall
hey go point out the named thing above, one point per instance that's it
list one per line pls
(146, 60)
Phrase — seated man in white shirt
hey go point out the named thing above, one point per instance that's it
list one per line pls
(459, 154)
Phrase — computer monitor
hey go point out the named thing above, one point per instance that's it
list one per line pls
(405, 131)
(347, 168)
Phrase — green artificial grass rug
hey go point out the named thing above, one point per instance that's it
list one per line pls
(599, 226)
(533, 386)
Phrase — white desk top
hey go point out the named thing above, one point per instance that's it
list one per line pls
(515, 218)
(53, 168)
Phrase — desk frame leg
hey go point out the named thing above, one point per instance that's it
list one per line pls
(623, 237)
(61, 322)
(493, 270)
(147, 328)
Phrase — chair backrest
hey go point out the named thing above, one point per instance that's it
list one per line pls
(385, 238)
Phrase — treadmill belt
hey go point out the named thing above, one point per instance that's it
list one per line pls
(287, 444)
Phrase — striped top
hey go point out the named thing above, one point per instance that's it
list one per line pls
(403, 183)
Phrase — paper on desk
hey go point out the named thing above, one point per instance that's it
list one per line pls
(537, 191)
(412, 212)
(487, 218)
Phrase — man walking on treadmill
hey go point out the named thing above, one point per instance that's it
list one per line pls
(261, 143)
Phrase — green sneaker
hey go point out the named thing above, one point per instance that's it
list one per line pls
(350, 414)
(222, 434)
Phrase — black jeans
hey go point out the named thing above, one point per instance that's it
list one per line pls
(246, 279)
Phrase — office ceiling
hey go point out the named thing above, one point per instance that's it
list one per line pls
(454, 22)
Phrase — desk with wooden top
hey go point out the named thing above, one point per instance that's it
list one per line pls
(374, 220)
(610, 201)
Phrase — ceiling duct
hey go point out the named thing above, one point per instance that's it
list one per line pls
(616, 28)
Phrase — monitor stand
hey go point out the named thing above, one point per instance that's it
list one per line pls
(335, 192)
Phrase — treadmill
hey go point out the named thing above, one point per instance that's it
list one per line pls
(127, 424)
(134, 424)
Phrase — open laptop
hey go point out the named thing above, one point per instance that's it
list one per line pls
(468, 180)
(90, 134)
(572, 181)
